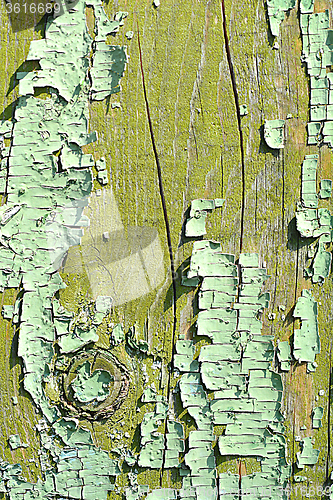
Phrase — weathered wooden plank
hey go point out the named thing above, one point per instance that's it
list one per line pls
(194, 118)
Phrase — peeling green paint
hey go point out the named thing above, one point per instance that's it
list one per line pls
(276, 13)
(325, 188)
(236, 366)
(274, 133)
(308, 456)
(47, 187)
(312, 221)
(317, 415)
(14, 442)
(306, 339)
(317, 53)
(284, 355)
(196, 224)
(91, 386)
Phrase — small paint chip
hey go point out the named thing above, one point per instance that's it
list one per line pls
(274, 133)
(14, 442)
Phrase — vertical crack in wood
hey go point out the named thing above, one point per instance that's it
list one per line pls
(240, 132)
(293, 367)
(168, 235)
(195, 142)
(161, 190)
(240, 480)
(199, 94)
(283, 193)
(293, 453)
(222, 174)
(329, 416)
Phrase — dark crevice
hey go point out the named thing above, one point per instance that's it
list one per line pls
(222, 174)
(258, 80)
(283, 189)
(239, 480)
(199, 94)
(168, 235)
(195, 142)
(234, 89)
(329, 417)
(59, 163)
(161, 190)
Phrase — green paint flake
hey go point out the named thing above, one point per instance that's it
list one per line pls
(14, 442)
(325, 188)
(317, 415)
(70, 432)
(154, 445)
(276, 13)
(229, 486)
(162, 494)
(109, 62)
(314, 222)
(254, 485)
(7, 311)
(174, 444)
(103, 304)
(309, 198)
(208, 260)
(135, 492)
(308, 456)
(196, 224)
(101, 164)
(320, 266)
(306, 6)
(274, 133)
(91, 386)
(284, 355)
(183, 359)
(306, 339)
(117, 335)
(75, 340)
(102, 177)
(150, 396)
(249, 260)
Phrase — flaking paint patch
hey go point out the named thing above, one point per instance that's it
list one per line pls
(236, 366)
(196, 223)
(276, 13)
(317, 53)
(274, 133)
(314, 222)
(47, 186)
(306, 339)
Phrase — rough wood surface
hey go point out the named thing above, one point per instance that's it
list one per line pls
(197, 137)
